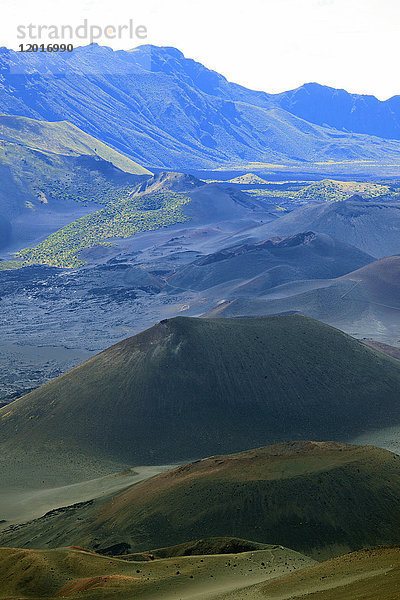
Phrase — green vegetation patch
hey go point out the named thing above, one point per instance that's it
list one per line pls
(329, 190)
(271, 193)
(82, 188)
(121, 219)
(7, 265)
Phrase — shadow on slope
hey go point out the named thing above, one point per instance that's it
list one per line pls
(249, 270)
(319, 498)
(364, 303)
(189, 387)
(373, 227)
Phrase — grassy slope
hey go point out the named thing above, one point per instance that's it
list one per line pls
(63, 138)
(126, 214)
(190, 387)
(319, 498)
(119, 219)
(326, 190)
(329, 190)
(52, 169)
(369, 574)
(364, 575)
(37, 180)
(48, 165)
(74, 574)
(213, 545)
(248, 179)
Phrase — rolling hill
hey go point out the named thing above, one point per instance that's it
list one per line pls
(319, 498)
(191, 387)
(364, 303)
(248, 179)
(62, 138)
(52, 173)
(382, 281)
(364, 575)
(167, 111)
(122, 218)
(137, 211)
(74, 573)
(168, 181)
(371, 226)
(250, 270)
(274, 574)
(330, 190)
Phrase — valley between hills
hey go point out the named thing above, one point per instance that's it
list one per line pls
(200, 334)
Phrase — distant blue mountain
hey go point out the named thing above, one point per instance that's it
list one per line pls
(348, 112)
(167, 111)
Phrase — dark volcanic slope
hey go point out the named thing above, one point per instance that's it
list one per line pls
(251, 269)
(373, 227)
(167, 181)
(318, 498)
(191, 387)
(364, 303)
(307, 496)
(382, 280)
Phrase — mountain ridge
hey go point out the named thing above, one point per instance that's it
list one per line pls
(167, 111)
(361, 113)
